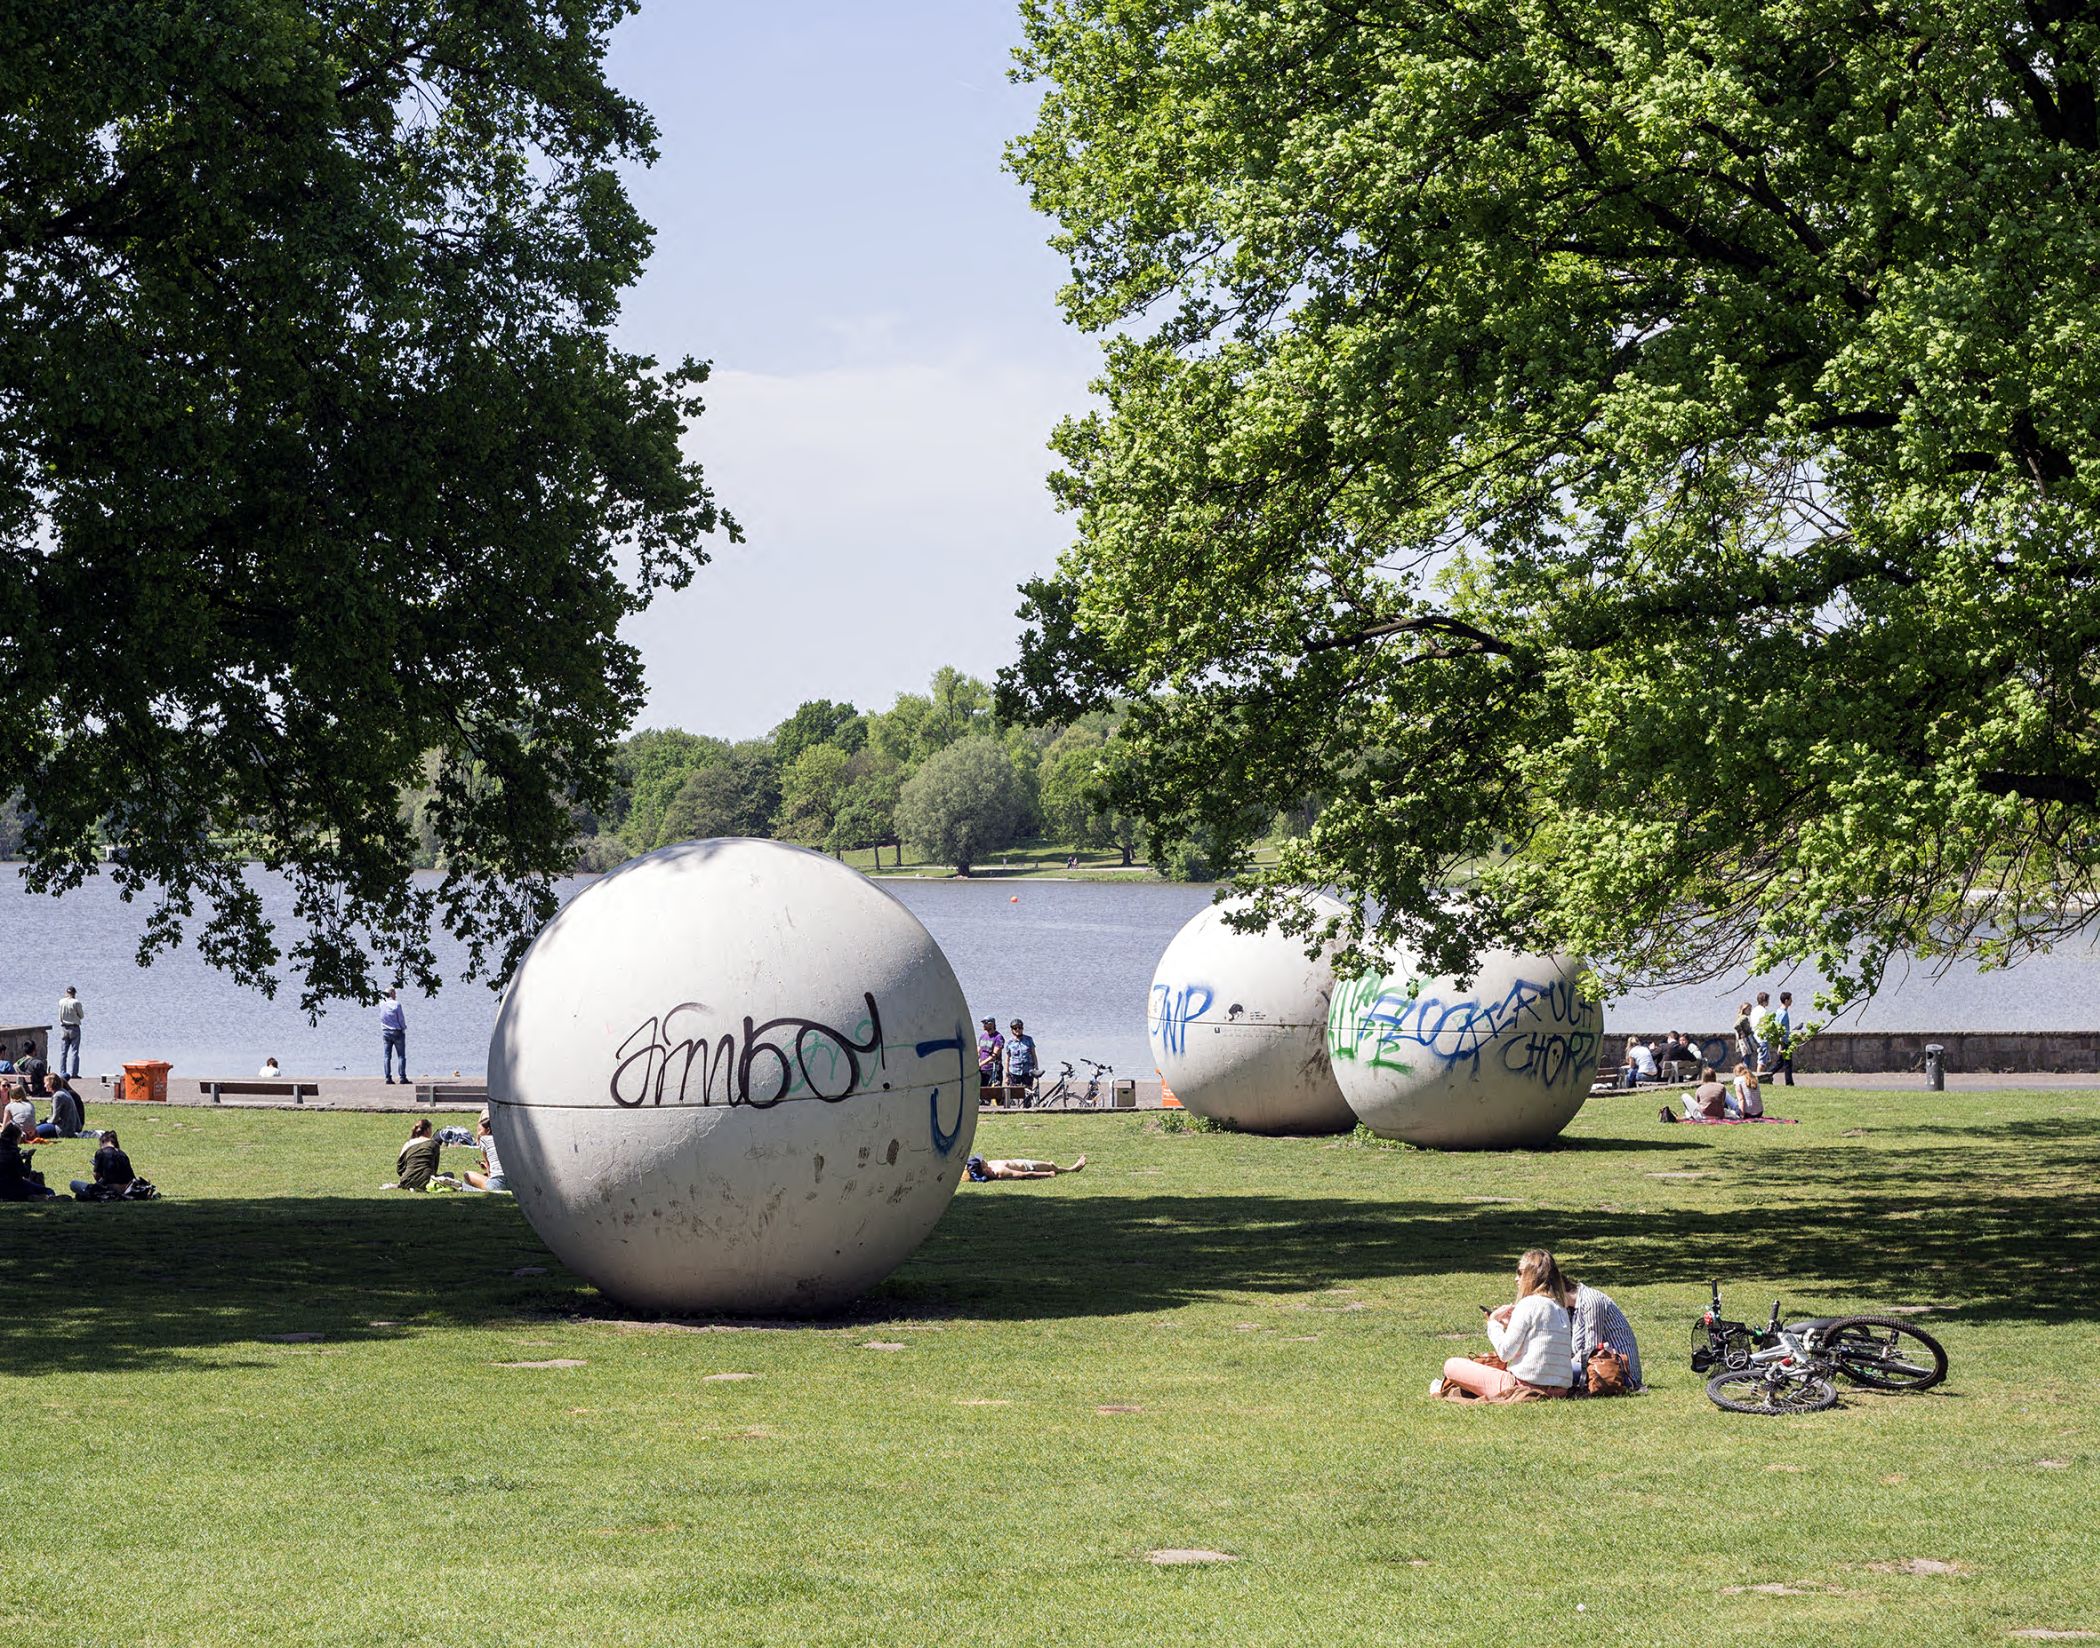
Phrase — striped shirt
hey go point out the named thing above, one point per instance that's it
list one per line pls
(1597, 1320)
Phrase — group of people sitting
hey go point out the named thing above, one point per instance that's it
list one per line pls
(417, 1167)
(32, 1080)
(113, 1178)
(1558, 1337)
(1740, 1099)
(1664, 1059)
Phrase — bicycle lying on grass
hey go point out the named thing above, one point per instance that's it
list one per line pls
(1794, 1368)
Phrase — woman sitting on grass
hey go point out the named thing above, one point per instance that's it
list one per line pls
(17, 1182)
(112, 1168)
(1749, 1100)
(490, 1178)
(1708, 1102)
(1531, 1336)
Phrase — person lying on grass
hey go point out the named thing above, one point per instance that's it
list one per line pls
(1000, 1167)
(1531, 1336)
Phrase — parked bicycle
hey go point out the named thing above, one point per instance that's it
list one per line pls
(1793, 1368)
(1064, 1096)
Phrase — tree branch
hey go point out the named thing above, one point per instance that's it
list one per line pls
(2080, 792)
(1436, 622)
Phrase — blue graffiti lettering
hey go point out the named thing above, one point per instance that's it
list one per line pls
(1172, 1011)
(944, 1140)
(1542, 1030)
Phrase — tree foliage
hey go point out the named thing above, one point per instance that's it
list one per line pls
(1660, 440)
(965, 802)
(316, 457)
(737, 795)
(819, 721)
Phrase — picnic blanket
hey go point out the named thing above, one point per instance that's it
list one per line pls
(1738, 1121)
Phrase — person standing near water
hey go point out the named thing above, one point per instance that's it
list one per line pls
(393, 1035)
(1022, 1066)
(70, 1012)
(991, 1054)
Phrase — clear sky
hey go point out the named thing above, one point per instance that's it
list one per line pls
(835, 232)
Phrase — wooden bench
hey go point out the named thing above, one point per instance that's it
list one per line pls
(296, 1091)
(468, 1094)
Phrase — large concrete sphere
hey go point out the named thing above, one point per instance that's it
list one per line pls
(733, 1076)
(1507, 1061)
(1238, 1023)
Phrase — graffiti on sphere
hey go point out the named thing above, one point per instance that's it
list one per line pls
(684, 1055)
(1541, 1030)
(1174, 1009)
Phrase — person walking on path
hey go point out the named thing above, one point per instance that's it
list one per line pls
(71, 1011)
(393, 1035)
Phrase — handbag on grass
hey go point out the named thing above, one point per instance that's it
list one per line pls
(1609, 1373)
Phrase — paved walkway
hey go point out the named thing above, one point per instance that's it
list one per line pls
(369, 1093)
(318, 1092)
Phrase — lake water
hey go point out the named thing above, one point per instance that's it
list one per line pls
(1073, 958)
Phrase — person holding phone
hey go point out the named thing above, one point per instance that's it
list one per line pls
(1531, 1336)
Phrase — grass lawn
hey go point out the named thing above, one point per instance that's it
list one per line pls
(1027, 858)
(1202, 1341)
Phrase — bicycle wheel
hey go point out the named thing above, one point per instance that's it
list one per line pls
(1884, 1353)
(1764, 1390)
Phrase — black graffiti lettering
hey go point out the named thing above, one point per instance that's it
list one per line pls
(782, 1058)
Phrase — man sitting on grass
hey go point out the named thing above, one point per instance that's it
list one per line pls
(981, 1170)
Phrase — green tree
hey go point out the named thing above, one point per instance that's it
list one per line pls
(653, 767)
(316, 455)
(819, 721)
(737, 795)
(1660, 438)
(811, 787)
(1074, 780)
(918, 724)
(867, 807)
(966, 801)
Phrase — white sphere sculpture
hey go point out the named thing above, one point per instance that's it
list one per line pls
(1238, 1024)
(733, 1076)
(1507, 1061)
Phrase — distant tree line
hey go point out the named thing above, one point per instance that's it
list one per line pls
(940, 772)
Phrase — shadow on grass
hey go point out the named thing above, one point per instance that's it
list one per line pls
(126, 1284)
(1004, 1255)
(130, 1286)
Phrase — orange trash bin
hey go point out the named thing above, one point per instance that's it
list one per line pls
(146, 1080)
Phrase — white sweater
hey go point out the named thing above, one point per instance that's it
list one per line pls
(1537, 1344)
